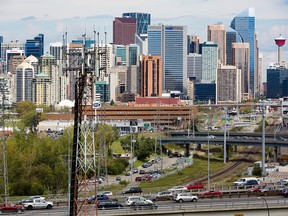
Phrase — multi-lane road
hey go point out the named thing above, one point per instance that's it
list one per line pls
(171, 206)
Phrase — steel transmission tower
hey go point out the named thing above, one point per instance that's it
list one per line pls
(83, 160)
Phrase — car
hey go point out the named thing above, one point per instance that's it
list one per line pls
(142, 172)
(242, 181)
(211, 137)
(135, 170)
(250, 183)
(108, 204)
(211, 193)
(195, 186)
(177, 189)
(143, 205)
(186, 197)
(132, 199)
(107, 193)
(284, 192)
(164, 195)
(273, 188)
(256, 189)
(132, 190)
(38, 204)
(9, 208)
(118, 178)
(92, 199)
(129, 173)
(36, 197)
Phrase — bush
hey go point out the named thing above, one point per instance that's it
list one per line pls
(123, 182)
(257, 170)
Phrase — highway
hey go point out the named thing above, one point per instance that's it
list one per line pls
(203, 205)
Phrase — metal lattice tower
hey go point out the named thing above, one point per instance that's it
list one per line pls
(84, 153)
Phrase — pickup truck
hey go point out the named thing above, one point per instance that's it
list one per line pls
(195, 186)
(38, 204)
(8, 208)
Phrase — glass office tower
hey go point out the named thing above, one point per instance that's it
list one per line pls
(35, 46)
(143, 21)
(170, 42)
(244, 24)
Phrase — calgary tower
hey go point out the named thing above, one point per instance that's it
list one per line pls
(280, 42)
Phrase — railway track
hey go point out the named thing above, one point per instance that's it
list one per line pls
(233, 166)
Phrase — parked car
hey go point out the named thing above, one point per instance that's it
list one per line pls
(250, 183)
(195, 186)
(142, 172)
(9, 208)
(93, 198)
(108, 204)
(132, 190)
(211, 193)
(178, 189)
(118, 178)
(135, 170)
(138, 179)
(186, 197)
(164, 195)
(132, 199)
(107, 193)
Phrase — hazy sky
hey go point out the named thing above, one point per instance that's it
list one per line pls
(23, 19)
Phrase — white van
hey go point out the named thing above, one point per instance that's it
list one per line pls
(242, 181)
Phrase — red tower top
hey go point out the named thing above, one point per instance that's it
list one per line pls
(280, 41)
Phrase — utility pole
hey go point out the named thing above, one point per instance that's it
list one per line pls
(5, 165)
(263, 139)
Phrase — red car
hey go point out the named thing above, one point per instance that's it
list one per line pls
(195, 186)
(9, 207)
(256, 189)
(211, 193)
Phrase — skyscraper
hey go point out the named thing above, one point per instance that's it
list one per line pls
(151, 76)
(232, 36)
(244, 24)
(194, 66)
(217, 34)
(24, 77)
(143, 21)
(56, 50)
(240, 59)
(35, 46)
(1, 41)
(124, 30)
(170, 42)
(228, 84)
(209, 62)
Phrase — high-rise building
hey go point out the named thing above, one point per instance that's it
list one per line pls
(143, 21)
(194, 66)
(260, 74)
(240, 59)
(35, 46)
(120, 55)
(244, 24)
(132, 79)
(193, 44)
(56, 50)
(6, 85)
(228, 84)
(124, 30)
(232, 36)
(42, 89)
(209, 62)
(151, 76)
(142, 42)
(103, 91)
(16, 45)
(117, 81)
(205, 92)
(24, 77)
(133, 55)
(217, 34)
(1, 41)
(11, 53)
(14, 62)
(276, 80)
(170, 43)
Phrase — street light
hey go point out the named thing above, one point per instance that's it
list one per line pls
(266, 204)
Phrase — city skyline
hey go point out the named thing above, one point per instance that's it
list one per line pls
(271, 19)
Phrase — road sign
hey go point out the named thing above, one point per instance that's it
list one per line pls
(227, 119)
(96, 104)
